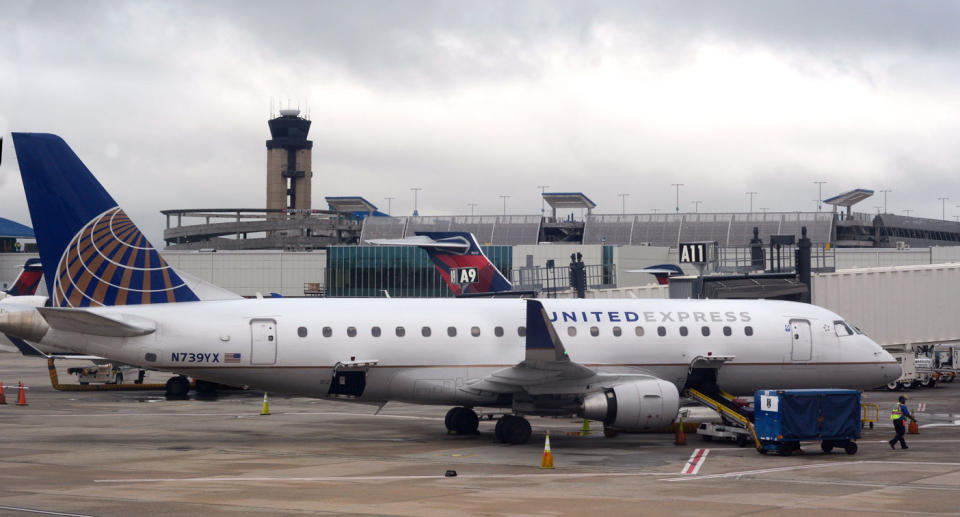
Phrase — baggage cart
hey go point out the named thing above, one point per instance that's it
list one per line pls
(784, 418)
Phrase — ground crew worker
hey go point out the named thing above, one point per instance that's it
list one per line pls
(898, 416)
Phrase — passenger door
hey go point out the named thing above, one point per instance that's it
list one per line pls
(263, 341)
(802, 346)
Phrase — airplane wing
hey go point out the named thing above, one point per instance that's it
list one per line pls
(546, 369)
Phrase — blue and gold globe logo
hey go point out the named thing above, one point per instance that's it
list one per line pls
(109, 262)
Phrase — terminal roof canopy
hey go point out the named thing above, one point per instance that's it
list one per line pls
(849, 198)
(13, 229)
(567, 200)
(350, 204)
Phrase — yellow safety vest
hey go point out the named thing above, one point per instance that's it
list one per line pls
(896, 414)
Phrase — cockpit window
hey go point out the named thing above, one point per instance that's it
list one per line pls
(842, 329)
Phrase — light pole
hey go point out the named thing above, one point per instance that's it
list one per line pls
(677, 186)
(505, 197)
(696, 206)
(623, 203)
(751, 194)
(943, 212)
(543, 190)
(908, 212)
(416, 192)
(472, 206)
(885, 200)
(819, 193)
(389, 203)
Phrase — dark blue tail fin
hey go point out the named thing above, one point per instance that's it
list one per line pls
(466, 269)
(92, 253)
(28, 280)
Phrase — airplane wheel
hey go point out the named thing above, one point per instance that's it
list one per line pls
(178, 387)
(517, 431)
(498, 429)
(449, 419)
(465, 421)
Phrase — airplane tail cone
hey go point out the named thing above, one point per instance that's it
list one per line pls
(547, 461)
(3, 398)
(22, 396)
(586, 427)
(681, 437)
(266, 405)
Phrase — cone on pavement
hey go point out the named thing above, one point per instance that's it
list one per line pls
(3, 398)
(22, 396)
(586, 427)
(547, 461)
(681, 437)
(913, 427)
(266, 405)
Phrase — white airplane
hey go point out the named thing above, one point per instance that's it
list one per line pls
(622, 362)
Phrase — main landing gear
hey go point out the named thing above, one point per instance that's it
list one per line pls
(462, 420)
(513, 430)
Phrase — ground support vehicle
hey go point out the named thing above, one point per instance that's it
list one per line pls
(107, 373)
(784, 418)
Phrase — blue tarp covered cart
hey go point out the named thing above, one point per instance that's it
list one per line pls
(783, 418)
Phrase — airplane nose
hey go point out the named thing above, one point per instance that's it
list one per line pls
(889, 366)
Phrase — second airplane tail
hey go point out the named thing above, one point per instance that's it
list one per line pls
(28, 280)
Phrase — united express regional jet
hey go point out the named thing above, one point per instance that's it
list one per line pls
(622, 362)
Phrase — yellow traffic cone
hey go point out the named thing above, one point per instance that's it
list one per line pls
(586, 427)
(681, 437)
(547, 461)
(266, 405)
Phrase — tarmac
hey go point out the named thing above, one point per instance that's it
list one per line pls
(136, 453)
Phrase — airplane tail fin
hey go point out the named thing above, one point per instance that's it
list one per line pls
(466, 270)
(92, 253)
(29, 279)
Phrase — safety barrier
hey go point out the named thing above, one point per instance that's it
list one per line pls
(869, 414)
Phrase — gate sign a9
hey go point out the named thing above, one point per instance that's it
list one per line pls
(696, 252)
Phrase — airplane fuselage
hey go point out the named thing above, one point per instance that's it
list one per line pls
(426, 351)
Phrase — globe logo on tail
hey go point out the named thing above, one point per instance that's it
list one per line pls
(110, 262)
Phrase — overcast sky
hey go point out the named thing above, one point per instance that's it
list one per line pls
(167, 102)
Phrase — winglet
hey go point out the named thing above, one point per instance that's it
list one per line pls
(543, 343)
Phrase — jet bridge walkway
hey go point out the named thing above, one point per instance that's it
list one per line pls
(724, 404)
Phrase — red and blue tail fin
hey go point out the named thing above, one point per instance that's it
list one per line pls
(28, 280)
(92, 254)
(464, 268)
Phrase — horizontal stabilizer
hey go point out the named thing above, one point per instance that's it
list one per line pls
(83, 321)
(423, 241)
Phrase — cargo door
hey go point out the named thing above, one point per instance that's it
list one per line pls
(802, 347)
(263, 341)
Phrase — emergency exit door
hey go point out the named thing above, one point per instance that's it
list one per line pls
(263, 341)
(802, 348)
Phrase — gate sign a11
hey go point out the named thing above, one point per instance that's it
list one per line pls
(697, 252)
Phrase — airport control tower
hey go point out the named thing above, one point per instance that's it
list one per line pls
(288, 161)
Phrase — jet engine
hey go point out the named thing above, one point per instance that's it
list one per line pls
(634, 406)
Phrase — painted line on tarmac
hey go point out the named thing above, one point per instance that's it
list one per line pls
(386, 478)
(695, 462)
(813, 466)
(44, 512)
(237, 415)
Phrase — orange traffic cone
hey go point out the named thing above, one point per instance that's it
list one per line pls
(913, 428)
(22, 396)
(3, 398)
(681, 437)
(547, 461)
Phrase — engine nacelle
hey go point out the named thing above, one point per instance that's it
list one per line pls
(634, 406)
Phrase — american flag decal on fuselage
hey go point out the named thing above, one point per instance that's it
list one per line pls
(109, 262)
(231, 358)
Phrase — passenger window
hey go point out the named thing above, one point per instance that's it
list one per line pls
(475, 331)
(452, 331)
(705, 331)
(748, 330)
(401, 331)
(594, 331)
(727, 331)
(842, 329)
(571, 331)
(302, 331)
(617, 332)
(683, 331)
(327, 332)
(375, 331)
(498, 331)
(425, 331)
(638, 331)
(661, 331)
(521, 331)
(352, 331)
